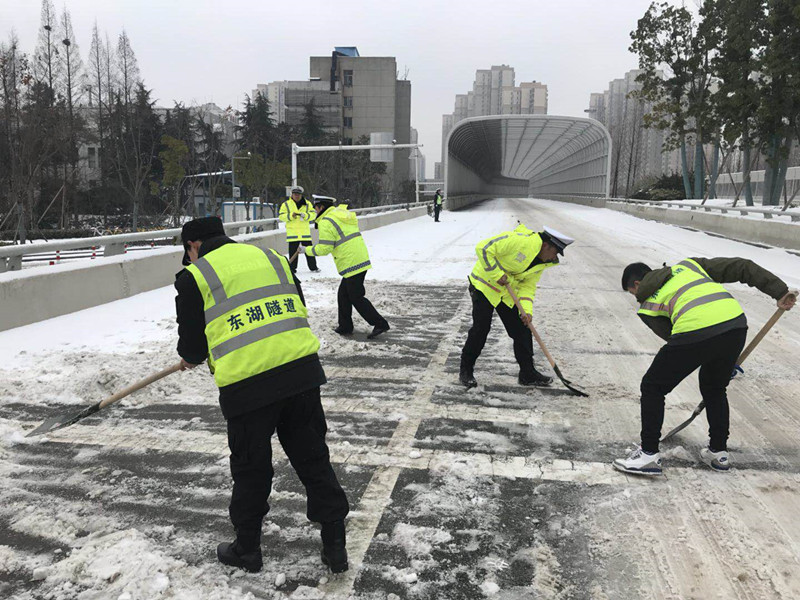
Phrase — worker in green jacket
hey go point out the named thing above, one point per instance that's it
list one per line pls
(704, 326)
(339, 235)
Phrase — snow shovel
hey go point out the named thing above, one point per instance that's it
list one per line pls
(745, 353)
(62, 421)
(296, 254)
(556, 370)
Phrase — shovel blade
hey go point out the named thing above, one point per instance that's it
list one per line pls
(65, 420)
(568, 384)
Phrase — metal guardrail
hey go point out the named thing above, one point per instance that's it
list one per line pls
(112, 245)
(744, 211)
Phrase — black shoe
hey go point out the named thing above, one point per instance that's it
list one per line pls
(334, 553)
(467, 379)
(231, 554)
(341, 331)
(377, 330)
(315, 270)
(535, 378)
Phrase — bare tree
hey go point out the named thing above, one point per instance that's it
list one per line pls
(127, 66)
(46, 63)
(72, 88)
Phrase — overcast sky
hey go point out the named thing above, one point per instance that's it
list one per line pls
(198, 51)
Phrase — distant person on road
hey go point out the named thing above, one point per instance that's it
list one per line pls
(339, 235)
(704, 326)
(298, 215)
(517, 258)
(438, 200)
(241, 308)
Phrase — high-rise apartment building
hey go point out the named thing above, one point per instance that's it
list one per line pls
(494, 93)
(356, 96)
(288, 101)
(373, 100)
(636, 150)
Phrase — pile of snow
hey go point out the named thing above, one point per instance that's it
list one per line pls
(125, 565)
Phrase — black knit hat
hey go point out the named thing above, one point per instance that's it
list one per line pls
(200, 230)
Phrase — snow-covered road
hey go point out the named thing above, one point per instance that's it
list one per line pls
(499, 492)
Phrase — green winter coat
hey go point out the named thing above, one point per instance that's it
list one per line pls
(721, 270)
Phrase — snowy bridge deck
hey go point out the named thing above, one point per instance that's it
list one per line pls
(499, 491)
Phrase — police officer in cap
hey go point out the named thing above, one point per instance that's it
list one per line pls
(339, 235)
(240, 308)
(298, 215)
(517, 258)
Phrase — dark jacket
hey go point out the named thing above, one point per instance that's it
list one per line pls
(721, 270)
(254, 392)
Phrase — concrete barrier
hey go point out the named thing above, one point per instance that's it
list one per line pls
(762, 231)
(461, 202)
(34, 295)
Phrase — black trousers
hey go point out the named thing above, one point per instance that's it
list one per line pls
(352, 294)
(301, 426)
(482, 313)
(311, 260)
(716, 358)
(437, 208)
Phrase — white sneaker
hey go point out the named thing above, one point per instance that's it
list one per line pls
(639, 463)
(719, 461)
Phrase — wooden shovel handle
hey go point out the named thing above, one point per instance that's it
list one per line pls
(535, 333)
(296, 253)
(139, 385)
(760, 335)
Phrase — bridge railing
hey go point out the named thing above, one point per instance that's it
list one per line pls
(767, 213)
(11, 257)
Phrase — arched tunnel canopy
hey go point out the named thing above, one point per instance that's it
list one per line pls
(522, 155)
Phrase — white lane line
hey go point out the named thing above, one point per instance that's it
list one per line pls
(399, 457)
(378, 494)
(457, 412)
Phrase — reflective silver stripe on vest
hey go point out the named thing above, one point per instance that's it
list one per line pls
(247, 297)
(355, 268)
(699, 301)
(212, 279)
(257, 334)
(486, 256)
(275, 260)
(326, 243)
(693, 267)
(346, 238)
(679, 292)
(482, 280)
(654, 306)
(335, 226)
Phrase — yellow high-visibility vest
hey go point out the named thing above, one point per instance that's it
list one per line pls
(255, 320)
(509, 253)
(339, 235)
(297, 219)
(691, 300)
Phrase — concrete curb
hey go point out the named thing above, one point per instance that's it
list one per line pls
(47, 292)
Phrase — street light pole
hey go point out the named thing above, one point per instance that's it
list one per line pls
(233, 177)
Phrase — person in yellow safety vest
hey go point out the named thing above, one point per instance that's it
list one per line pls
(517, 258)
(241, 308)
(339, 235)
(438, 200)
(704, 326)
(298, 215)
